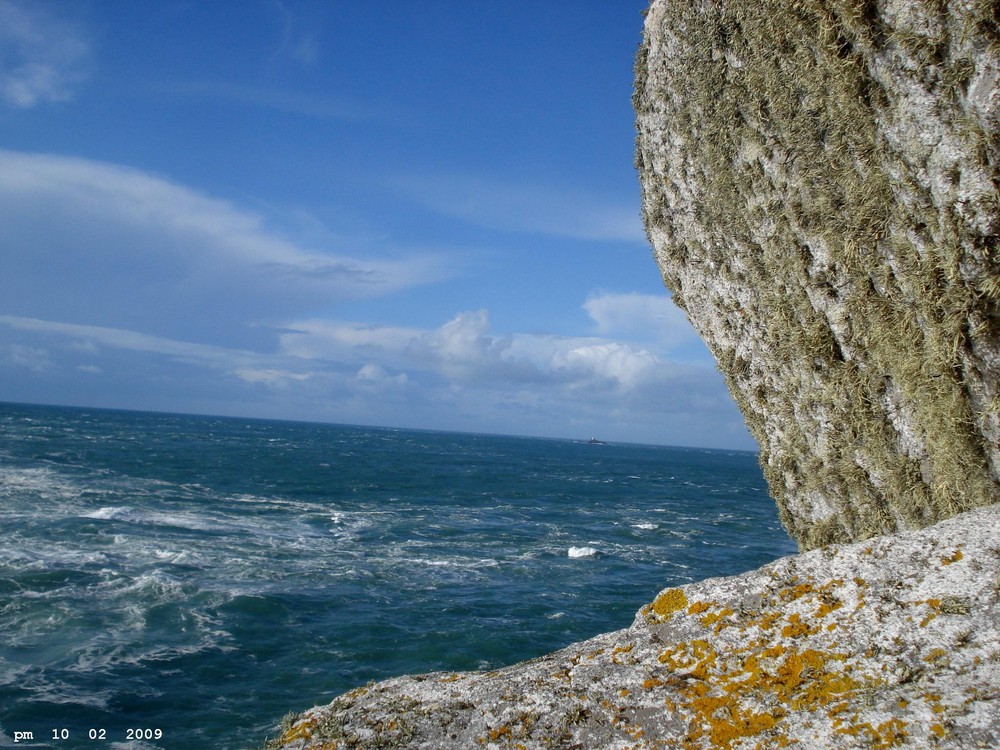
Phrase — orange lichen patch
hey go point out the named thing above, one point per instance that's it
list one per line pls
(792, 593)
(765, 621)
(954, 558)
(496, 734)
(938, 730)
(667, 603)
(698, 607)
(935, 606)
(796, 628)
(936, 655)
(827, 605)
(717, 619)
(686, 655)
(729, 697)
(888, 734)
(301, 731)
(623, 649)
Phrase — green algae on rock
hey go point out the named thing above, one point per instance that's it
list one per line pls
(819, 185)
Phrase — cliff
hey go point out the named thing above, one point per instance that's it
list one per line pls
(819, 184)
(890, 642)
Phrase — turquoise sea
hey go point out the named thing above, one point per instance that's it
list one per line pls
(172, 581)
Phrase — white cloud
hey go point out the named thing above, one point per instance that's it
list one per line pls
(465, 351)
(460, 375)
(626, 366)
(31, 357)
(268, 376)
(644, 316)
(531, 208)
(375, 376)
(42, 58)
(92, 338)
(132, 250)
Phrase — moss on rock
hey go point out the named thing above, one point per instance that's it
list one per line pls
(820, 189)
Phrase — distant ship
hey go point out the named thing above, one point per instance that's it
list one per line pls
(595, 441)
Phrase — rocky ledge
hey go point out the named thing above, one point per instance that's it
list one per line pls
(893, 641)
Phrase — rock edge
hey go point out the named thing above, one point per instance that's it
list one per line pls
(893, 641)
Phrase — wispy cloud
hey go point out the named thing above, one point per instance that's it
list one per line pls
(42, 57)
(319, 106)
(93, 337)
(133, 250)
(540, 209)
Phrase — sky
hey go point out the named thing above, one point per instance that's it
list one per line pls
(400, 214)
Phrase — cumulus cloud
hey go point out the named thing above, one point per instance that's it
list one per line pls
(127, 249)
(620, 363)
(465, 350)
(33, 358)
(538, 209)
(42, 58)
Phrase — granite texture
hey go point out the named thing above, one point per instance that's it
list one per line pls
(819, 185)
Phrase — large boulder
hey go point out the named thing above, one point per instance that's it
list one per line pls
(820, 187)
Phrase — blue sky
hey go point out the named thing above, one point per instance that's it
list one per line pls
(396, 213)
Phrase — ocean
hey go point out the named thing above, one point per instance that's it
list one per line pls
(174, 581)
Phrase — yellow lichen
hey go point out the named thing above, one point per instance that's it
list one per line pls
(796, 628)
(717, 618)
(300, 731)
(954, 558)
(667, 603)
(698, 607)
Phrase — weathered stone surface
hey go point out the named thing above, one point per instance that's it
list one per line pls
(889, 642)
(819, 185)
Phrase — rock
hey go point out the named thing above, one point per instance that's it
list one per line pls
(819, 184)
(886, 642)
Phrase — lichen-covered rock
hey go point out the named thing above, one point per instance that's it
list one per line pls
(820, 187)
(890, 642)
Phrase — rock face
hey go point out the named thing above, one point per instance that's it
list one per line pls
(892, 641)
(820, 187)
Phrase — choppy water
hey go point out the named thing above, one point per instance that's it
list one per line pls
(203, 576)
